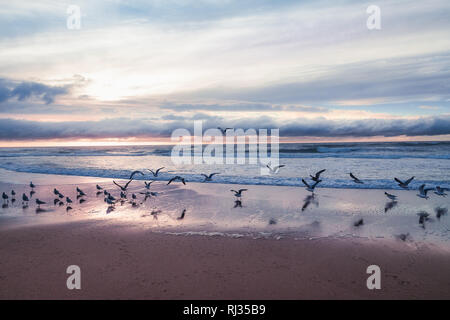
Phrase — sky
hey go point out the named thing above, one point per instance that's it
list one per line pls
(137, 70)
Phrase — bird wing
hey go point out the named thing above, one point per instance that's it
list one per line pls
(398, 180)
(204, 175)
(233, 191)
(184, 181)
(126, 186)
(409, 180)
(117, 184)
(319, 173)
(305, 183)
(240, 190)
(159, 169)
(170, 181)
(315, 184)
(135, 172)
(280, 166)
(353, 177)
(214, 173)
(421, 188)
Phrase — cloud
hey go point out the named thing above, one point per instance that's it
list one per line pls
(27, 90)
(240, 106)
(124, 127)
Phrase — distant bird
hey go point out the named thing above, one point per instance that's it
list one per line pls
(98, 187)
(148, 184)
(32, 186)
(182, 215)
(224, 131)
(209, 177)
(423, 192)
(32, 192)
(390, 205)
(133, 196)
(13, 193)
(134, 173)
(402, 184)
(148, 194)
(5, 197)
(423, 216)
(355, 179)
(441, 191)
(237, 204)
(275, 169)
(177, 178)
(155, 173)
(68, 200)
(68, 208)
(359, 223)
(110, 197)
(123, 188)
(80, 192)
(317, 176)
(311, 187)
(238, 193)
(272, 221)
(391, 196)
(60, 195)
(308, 200)
(123, 195)
(56, 192)
(155, 213)
(55, 202)
(440, 212)
(105, 192)
(403, 236)
(109, 201)
(39, 202)
(82, 201)
(25, 198)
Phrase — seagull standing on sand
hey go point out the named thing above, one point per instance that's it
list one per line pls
(80, 192)
(355, 179)
(39, 202)
(98, 187)
(177, 178)
(391, 196)
(317, 176)
(13, 193)
(68, 200)
(25, 198)
(402, 184)
(155, 173)
(32, 186)
(238, 194)
(209, 177)
(311, 187)
(423, 192)
(441, 191)
(56, 192)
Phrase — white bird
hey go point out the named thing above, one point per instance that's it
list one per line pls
(391, 196)
(311, 187)
(423, 192)
(155, 173)
(404, 184)
(209, 177)
(238, 193)
(355, 179)
(441, 191)
(275, 169)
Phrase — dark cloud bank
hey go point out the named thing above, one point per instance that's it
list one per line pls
(27, 90)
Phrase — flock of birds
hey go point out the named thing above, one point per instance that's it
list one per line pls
(310, 186)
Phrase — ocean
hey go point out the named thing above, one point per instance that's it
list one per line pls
(374, 163)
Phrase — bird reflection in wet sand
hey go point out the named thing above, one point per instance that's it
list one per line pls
(237, 204)
(389, 205)
(110, 209)
(308, 200)
(39, 210)
(5, 206)
(423, 217)
(440, 212)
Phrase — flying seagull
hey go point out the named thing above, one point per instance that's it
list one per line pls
(355, 179)
(147, 184)
(155, 173)
(25, 198)
(182, 215)
(239, 192)
(224, 131)
(390, 205)
(391, 196)
(423, 192)
(359, 223)
(135, 172)
(402, 184)
(209, 177)
(441, 191)
(123, 188)
(275, 169)
(177, 178)
(317, 176)
(309, 187)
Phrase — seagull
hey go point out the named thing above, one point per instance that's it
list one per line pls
(32, 186)
(123, 188)
(309, 187)
(182, 215)
(317, 176)
(209, 178)
(98, 187)
(440, 212)
(80, 192)
(25, 198)
(39, 202)
(55, 202)
(355, 179)
(123, 195)
(155, 173)
(61, 196)
(403, 236)
(224, 131)
(68, 208)
(441, 191)
(238, 194)
(148, 194)
(423, 192)
(359, 223)
(276, 169)
(5, 197)
(147, 184)
(402, 184)
(109, 201)
(13, 193)
(68, 200)
(133, 196)
(391, 196)
(56, 192)
(135, 172)
(177, 178)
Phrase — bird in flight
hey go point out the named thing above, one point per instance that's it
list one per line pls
(359, 223)
(134, 173)
(147, 184)
(423, 192)
(209, 177)
(391, 196)
(275, 169)
(317, 176)
(177, 178)
(404, 184)
(311, 187)
(239, 192)
(155, 173)
(123, 188)
(355, 179)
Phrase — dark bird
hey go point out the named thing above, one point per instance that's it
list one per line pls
(177, 178)
(272, 221)
(68, 200)
(82, 201)
(32, 192)
(13, 193)
(5, 197)
(209, 177)
(55, 202)
(403, 236)
(56, 192)
(133, 196)
(61, 196)
(317, 176)
(80, 193)
(359, 223)
(391, 196)
(123, 195)
(308, 200)
(238, 193)
(440, 212)
(68, 208)
(182, 215)
(423, 192)
(32, 186)
(156, 172)
(123, 188)
(148, 184)
(98, 187)
(155, 213)
(309, 187)
(25, 198)
(224, 131)
(390, 205)
(355, 179)
(39, 202)
(237, 204)
(423, 216)
(135, 172)
(402, 184)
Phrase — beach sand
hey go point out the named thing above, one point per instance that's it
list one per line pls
(217, 251)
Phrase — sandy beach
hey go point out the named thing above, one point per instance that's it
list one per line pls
(218, 251)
